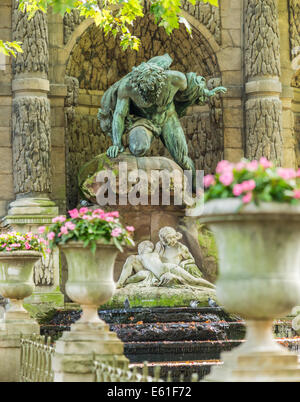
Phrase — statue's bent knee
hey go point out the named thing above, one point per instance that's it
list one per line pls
(140, 141)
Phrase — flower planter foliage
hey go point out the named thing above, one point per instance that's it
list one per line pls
(253, 181)
(89, 227)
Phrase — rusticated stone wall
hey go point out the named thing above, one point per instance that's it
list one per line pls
(262, 51)
(31, 143)
(207, 15)
(71, 21)
(34, 37)
(264, 132)
(97, 62)
(294, 26)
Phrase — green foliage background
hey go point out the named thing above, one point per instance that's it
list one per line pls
(113, 16)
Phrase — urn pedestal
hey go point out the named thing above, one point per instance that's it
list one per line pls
(90, 283)
(259, 280)
(16, 283)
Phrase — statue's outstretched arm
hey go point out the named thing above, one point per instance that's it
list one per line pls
(118, 125)
(216, 91)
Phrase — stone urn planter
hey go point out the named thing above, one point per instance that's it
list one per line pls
(16, 280)
(16, 283)
(259, 280)
(90, 277)
(90, 283)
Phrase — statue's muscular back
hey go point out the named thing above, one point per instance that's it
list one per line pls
(176, 81)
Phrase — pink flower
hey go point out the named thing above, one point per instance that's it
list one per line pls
(223, 166)
(248, 185)
(114, 214)
(51, 235)
(297, 194)
(74, 213)
(98, 211)
(247, 198)
(130, 228)
(60, 219)
(208, 180)
(27, 246)
(252, 166)
(265, 162)
(64, 230)
(240, 166)
(237, 190)
(48, 251)
(43, 241)
(88, 217)
(42, 229)
(298, 173)
(84, 210)
(116, 232)
(70, 225)
(226, 178)
(16, 245)
(286, 174)
(109, 219)
(8, 249)
(4, 245)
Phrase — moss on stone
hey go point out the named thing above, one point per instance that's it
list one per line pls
(159, 297)
(207, 242)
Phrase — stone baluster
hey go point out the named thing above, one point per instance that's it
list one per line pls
(263, 109)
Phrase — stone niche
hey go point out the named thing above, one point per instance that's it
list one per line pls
(96, 62)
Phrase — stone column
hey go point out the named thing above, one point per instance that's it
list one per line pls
(32, 142)
(263, 109)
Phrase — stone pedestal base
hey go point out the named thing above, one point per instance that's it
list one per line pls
(259, 359)
(11, 328)
(75, 351)
(257, 367)
(27, 214)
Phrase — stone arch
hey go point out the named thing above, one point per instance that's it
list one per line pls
(96, 62)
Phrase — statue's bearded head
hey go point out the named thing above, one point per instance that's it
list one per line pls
(149, 80)
(168, 236)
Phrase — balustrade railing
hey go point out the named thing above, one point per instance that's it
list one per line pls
(36, 359)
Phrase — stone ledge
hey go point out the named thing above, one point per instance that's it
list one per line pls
(30, 84)
(269, 86)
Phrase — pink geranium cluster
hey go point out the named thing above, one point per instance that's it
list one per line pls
(88, 226)
(15, 241)
(253, 181)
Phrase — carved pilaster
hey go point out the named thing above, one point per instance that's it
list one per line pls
(31, 144)
(262, 70)
(34, 37)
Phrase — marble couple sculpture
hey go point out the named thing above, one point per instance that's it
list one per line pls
(148, 103)
(168, 264)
